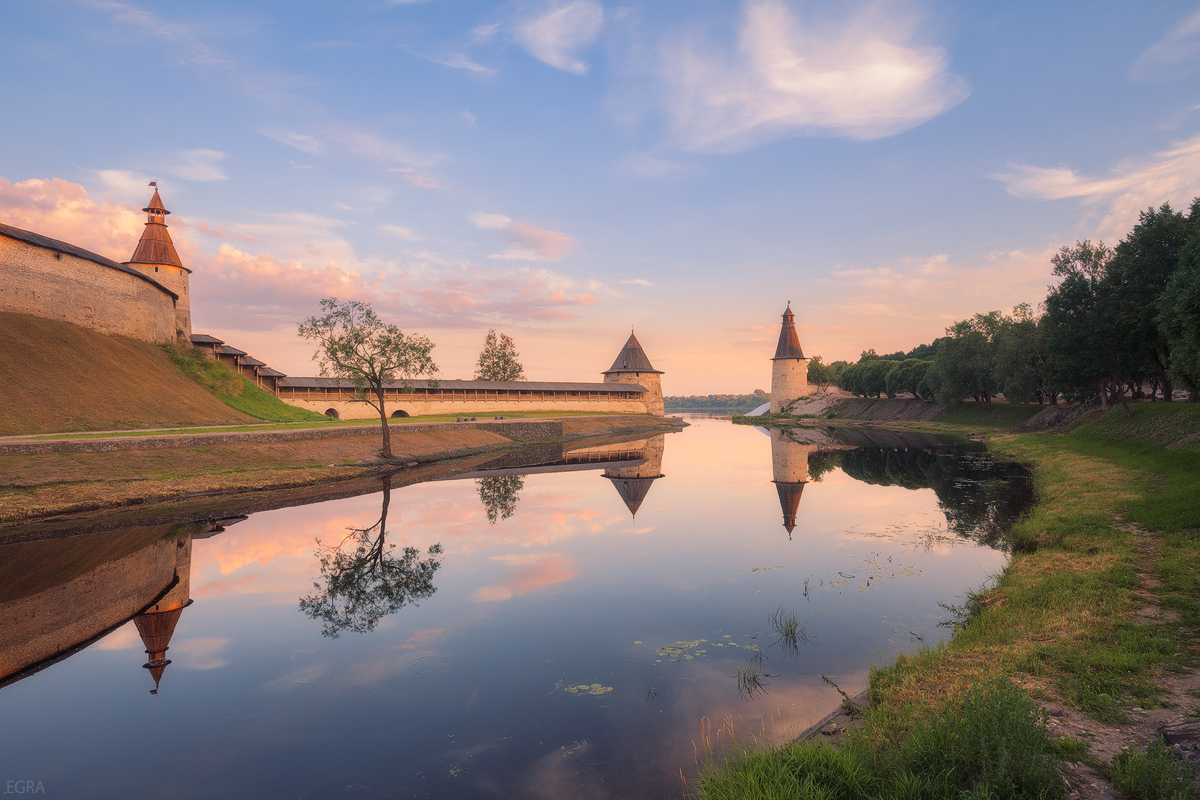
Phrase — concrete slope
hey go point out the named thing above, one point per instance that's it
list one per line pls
(59, 377)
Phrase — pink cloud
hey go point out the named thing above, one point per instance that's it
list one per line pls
(532, 243)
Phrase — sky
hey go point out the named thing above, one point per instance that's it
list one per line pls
(564, 171)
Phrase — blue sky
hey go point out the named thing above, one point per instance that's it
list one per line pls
(561, 171)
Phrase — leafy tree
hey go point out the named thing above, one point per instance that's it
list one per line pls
(964, 366)
(1023, 368)
(1179, 315)
(365, 581)
(499, 495)
(498, 359)
(1079, 340)
(820, 374)
(1141, 267)
(355, 345)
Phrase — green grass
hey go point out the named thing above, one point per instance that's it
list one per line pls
(1114, 508)
(1000, 415)
(993, 743)
(1155, 773)
(233, 389)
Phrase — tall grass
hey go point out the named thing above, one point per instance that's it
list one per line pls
(993, 743)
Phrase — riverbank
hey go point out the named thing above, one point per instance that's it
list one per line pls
(1096, 618)
(71, 479)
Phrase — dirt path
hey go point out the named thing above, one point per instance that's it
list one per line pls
(1180, 706)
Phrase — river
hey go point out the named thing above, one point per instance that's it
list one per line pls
(582, 625)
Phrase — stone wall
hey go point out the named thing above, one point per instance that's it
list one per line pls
(56, 285)
(349, 409)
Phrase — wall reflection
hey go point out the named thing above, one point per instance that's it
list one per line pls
(61, 595)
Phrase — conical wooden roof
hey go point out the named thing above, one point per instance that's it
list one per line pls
(789, 501)
(155, 246)
(632, 358)
(789, 340)
(633, 491)
(156, 629)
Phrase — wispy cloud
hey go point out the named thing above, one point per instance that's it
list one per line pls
(644, 165)
(400, 232)
(637, 282)
(532, 243)
(557, 32)
(455, 60)
(1174, 56)
(1173, 174)
(191, 49)
(199, 165)
(861, 77)
(418, 178)
(301, 141)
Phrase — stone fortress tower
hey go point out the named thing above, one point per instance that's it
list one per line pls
(789, 473)
(633, 482)
(633, 366)
(789, 367)
(156, 258)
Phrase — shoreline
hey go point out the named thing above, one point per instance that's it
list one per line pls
(69, 478)
(1094, 617)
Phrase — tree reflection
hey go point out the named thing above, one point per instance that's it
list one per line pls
(363, 580)
(499, 495)
(981, 497)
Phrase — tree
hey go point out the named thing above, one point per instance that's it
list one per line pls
(1179, 314)
(965, 361)
(498, 359)
(368, 582)
(820, 374)
(1141, 267)
(355, 345)
(1022, 366)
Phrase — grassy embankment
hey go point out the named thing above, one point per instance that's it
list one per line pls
(1116, 530)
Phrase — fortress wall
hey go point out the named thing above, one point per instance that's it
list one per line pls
(44, 624)
(349, 409)
(55, 285)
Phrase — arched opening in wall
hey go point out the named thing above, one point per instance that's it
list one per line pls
(332, 412)
(400, 412)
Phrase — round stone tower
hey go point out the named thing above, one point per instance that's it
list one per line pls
(789, 367)
(156, 258)
(632, 366)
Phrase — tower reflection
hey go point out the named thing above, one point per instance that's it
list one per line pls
(789, 472)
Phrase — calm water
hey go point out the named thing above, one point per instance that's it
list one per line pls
(304, 670)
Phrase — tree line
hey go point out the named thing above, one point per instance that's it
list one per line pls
(704, 402)
(1123, 323)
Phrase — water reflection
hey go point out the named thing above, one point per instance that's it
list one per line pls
(649, 591)
(58, 596)
(499, 495)
(363, 580)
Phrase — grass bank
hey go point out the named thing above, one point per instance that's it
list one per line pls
(1097, 610)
